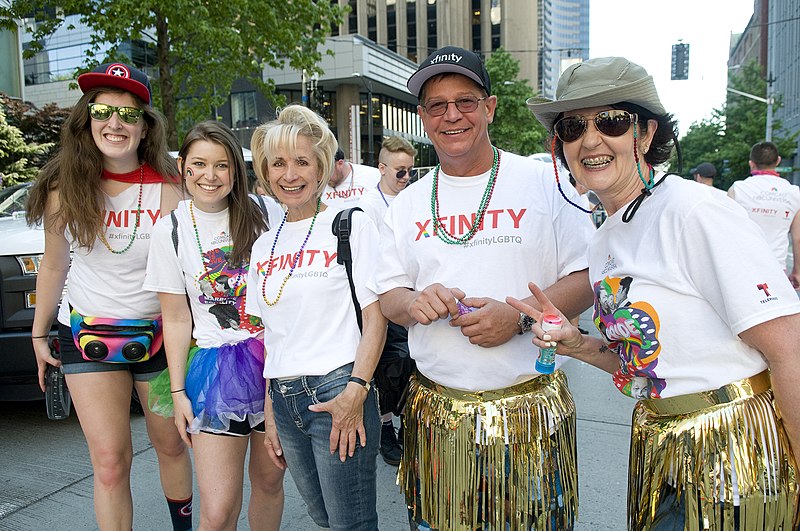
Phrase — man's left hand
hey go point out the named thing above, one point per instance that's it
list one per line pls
(492, 323)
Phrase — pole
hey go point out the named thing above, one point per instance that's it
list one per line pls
(304, 89)
(370, 132)
(770, 101)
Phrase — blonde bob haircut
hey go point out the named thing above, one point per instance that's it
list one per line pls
(281, 134)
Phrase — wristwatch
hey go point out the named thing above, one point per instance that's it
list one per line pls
(525, 323)
(360, 381)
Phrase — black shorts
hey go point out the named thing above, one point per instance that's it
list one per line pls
(240, 428)
(72, 361)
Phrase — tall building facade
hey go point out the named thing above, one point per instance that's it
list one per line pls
(772, 40)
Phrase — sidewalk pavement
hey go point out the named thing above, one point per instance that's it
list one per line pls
(66, 502)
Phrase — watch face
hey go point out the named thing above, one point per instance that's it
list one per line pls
(525, 322)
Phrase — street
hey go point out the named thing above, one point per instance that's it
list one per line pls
(46, 478)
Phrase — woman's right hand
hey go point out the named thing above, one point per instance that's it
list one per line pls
(183, 415)
(271, 440)
(44, 357)
(568, 339)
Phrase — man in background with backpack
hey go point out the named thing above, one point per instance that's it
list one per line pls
(396, 165)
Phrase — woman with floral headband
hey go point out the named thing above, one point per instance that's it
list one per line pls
(100, 197)
(697, 321)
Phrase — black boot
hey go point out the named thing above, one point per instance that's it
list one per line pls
(390, 449)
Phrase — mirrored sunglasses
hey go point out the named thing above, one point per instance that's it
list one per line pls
(610, 123)
(103, 112)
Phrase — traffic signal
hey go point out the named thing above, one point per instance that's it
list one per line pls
(680, 61)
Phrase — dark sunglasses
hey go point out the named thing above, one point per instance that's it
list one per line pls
(464, 104)
(402, 173)
(610, 123)
(103, 112)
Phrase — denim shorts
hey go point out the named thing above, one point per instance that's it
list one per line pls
(340, 496)
(72, 361)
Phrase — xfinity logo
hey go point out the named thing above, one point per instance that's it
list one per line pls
(448, 57)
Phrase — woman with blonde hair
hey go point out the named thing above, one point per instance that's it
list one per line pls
(321, 412)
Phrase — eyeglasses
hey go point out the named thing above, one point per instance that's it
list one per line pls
(103, 112)
(610, 123)
(464, 104)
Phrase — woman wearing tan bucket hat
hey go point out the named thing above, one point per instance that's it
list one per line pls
(697, 321)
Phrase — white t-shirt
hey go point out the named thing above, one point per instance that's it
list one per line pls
(312, 329)
(772, 202)
(104, 284)
(676, 285)
(529, 233)
(375, 204)
(349, 192)
(216, 288)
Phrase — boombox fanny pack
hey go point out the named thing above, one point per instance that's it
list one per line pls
(115, 340)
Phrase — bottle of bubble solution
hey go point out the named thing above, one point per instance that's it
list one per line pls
(58, 401)
(546, 362)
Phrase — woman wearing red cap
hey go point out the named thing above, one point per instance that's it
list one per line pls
(98, 199)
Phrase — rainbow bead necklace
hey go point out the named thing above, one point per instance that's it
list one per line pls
(200, 248)
(138, 217)
(438, 227)
(294, 262)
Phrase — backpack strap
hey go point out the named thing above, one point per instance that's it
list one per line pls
(174, 231)
(263, 206)
(342, 224)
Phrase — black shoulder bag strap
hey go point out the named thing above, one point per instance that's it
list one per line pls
(342, 224)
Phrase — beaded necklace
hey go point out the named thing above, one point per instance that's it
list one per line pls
(138, 216)
(294, 262)
(445, 236)
(200, 248)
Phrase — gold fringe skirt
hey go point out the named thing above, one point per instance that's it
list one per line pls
(704, 451)
(492, 459)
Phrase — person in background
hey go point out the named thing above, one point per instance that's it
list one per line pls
(489, 441)
(704, 173)
(217, 386)
(697, 322)
(100, 196)
(348, 183)
(773, 203)
(396, 164)
(321, 412)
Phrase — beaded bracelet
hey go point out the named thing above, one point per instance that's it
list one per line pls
(177, 390)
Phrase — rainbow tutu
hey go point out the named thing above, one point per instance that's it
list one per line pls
(224, 383)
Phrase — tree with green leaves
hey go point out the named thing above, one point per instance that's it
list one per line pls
(514, 127)
(726, 137)
(201, 47)
(16, 154)
(38, 125)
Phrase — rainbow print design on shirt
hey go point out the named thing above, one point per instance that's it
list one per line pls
(224, 288)
(631, 329)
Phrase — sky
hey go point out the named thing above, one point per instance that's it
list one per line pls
(644, 32)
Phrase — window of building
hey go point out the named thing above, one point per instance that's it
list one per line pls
(244, 112)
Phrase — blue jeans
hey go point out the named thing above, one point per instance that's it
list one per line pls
(341, 496)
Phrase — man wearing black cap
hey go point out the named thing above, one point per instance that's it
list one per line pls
(704, 173)
(477, 228)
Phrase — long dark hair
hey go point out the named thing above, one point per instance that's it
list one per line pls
(75, 170)
(246, 220)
